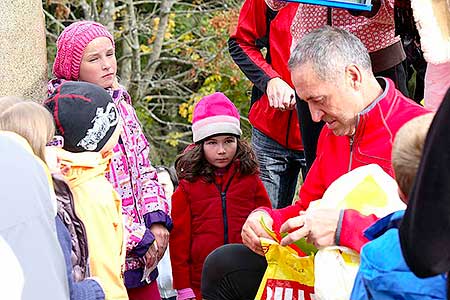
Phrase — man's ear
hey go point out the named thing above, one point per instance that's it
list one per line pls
(353, 76)
(402, 196)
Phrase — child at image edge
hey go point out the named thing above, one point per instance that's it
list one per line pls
(86, 52)
(383, 272)
(23, 117)
(219, 186)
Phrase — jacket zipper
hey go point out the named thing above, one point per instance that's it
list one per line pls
(352, 140)
(351, 154)
(223, 198)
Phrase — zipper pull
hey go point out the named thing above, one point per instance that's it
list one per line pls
(351, 154)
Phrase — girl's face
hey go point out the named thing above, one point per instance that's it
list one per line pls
(98, 64)
(220, 150)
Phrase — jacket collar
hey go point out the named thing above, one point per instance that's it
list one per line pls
(390, 221)
(365, 117)
(385, 85)
(223, 176)
(79, 167)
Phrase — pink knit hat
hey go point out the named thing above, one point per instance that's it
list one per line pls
(71, 44)
(215, 114)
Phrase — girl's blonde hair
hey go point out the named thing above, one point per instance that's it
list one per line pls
(28, 119)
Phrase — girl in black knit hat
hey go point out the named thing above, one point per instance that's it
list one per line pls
(87, 118)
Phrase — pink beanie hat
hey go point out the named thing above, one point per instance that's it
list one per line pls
(215, 114)
(71, 44)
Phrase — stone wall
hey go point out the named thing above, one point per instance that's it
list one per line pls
(23, 54)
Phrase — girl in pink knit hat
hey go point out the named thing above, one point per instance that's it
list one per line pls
(86, 52)
(219, 187)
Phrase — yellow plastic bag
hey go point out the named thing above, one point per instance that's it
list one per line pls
(369, 190)
(288, 276)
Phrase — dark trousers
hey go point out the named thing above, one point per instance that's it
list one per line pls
(310, 130)
(232, 272)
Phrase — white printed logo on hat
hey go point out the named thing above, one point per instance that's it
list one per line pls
(103, 121)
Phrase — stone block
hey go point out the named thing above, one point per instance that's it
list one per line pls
(23, 54)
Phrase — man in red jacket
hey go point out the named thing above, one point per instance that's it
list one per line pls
(277, 26)
(331, 70)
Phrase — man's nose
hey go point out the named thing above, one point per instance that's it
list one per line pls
(316, 114)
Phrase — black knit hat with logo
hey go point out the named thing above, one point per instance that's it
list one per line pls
(85, 115)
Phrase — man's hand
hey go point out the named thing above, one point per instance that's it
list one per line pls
(161, 235)
(281, 96)
(318, 225)
(253, 230)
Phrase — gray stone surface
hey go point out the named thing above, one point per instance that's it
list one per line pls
(23, 54)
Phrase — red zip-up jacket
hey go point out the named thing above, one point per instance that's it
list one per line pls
(337, 155)
(260, 27)
(206, 216)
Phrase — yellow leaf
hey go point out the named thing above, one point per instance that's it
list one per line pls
(195, 56)
(145, 49)
(173, 138)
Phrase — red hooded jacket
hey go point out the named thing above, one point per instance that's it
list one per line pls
(208, 215)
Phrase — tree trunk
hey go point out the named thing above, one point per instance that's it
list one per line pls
(106, 16)
(133, 40)
(164, 12)
(125, 64)
(23, 54)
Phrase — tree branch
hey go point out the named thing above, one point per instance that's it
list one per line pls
(133, 39)
(164, 11)
(54, 20)
(107, 14)
(86, 9)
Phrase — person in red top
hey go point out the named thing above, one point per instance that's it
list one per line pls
(362, 114)
(276, 133)
(278, 25)
(219, 187)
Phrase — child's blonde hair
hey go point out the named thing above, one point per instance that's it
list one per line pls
(28, 119)
(8, 101)
(407, 150)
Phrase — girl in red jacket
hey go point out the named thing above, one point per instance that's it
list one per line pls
(219, 187)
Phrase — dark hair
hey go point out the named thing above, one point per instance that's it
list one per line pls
(172, 174)
(192, 163)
